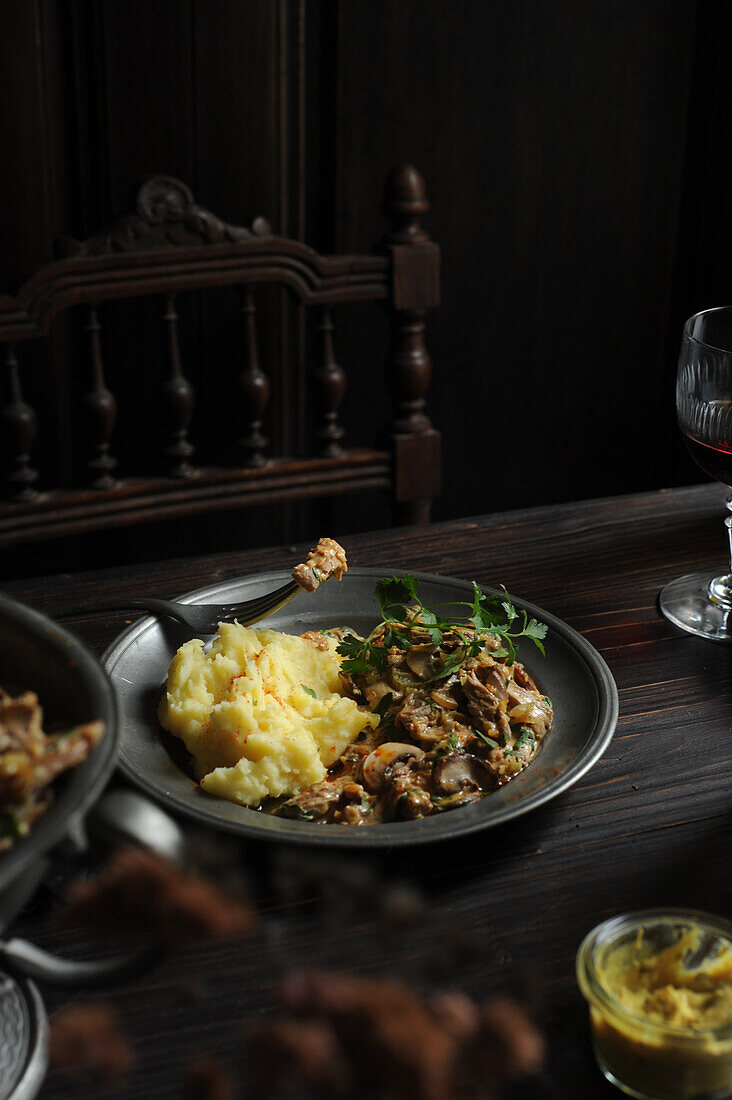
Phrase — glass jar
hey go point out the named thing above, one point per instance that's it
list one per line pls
(659, 988)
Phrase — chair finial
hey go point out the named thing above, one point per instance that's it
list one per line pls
(405, 201)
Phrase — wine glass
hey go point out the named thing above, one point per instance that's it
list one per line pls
(696, 602)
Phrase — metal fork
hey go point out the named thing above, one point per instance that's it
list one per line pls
(204, 618)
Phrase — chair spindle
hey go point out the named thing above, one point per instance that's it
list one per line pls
(179, 399)
(330, 387)
(405, 202)
(411, 369)
(101, 409)
(255, 391)
(19, 427)
(416, 289)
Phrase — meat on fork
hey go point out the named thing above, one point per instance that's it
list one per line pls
(327, 559)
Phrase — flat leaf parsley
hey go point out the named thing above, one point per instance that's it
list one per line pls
(403, 615)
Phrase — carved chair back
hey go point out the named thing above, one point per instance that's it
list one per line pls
(172, 245)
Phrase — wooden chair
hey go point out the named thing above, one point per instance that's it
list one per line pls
(170, 245)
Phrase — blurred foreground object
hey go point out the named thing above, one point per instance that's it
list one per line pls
(90, 1038)
(350, 1037)
(139, 891)
(206, 1079)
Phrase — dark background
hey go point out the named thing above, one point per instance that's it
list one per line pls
(576, 156)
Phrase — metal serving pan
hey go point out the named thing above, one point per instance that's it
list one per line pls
(37, 654)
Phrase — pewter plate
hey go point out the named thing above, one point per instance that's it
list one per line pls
(572, 674)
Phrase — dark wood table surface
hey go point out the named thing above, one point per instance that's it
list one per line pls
(503, 910)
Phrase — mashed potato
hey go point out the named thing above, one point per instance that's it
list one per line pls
(261, 713)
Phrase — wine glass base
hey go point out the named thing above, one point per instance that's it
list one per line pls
(685, 602)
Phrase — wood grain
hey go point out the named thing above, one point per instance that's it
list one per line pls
(506, 909)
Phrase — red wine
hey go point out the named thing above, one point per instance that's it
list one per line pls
(714, 460)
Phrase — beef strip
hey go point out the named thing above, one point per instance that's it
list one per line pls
(404, 793)
(522, 677)
(329, 800)
(484, 686)
(327, 559)
(317, 640)
(26, 771)
(421, 717)
(30, 759)
(20, 723)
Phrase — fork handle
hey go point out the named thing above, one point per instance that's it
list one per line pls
(138, 603)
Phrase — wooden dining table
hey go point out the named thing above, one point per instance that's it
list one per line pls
(501, 911)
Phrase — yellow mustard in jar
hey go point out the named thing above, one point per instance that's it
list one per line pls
(659, 987)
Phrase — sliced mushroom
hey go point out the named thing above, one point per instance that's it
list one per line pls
(460, 772)
(422, 660)
(461, 798)
(442, 695)
(377, 762)
(375, 693)
(443, 699)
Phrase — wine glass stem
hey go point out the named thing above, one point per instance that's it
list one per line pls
(720, 589)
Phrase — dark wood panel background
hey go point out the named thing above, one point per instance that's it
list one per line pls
(575, 158)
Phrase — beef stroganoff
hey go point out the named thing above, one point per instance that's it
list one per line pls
(431, 711)
(31, 758)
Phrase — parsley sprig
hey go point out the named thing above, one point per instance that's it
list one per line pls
(404, 617)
